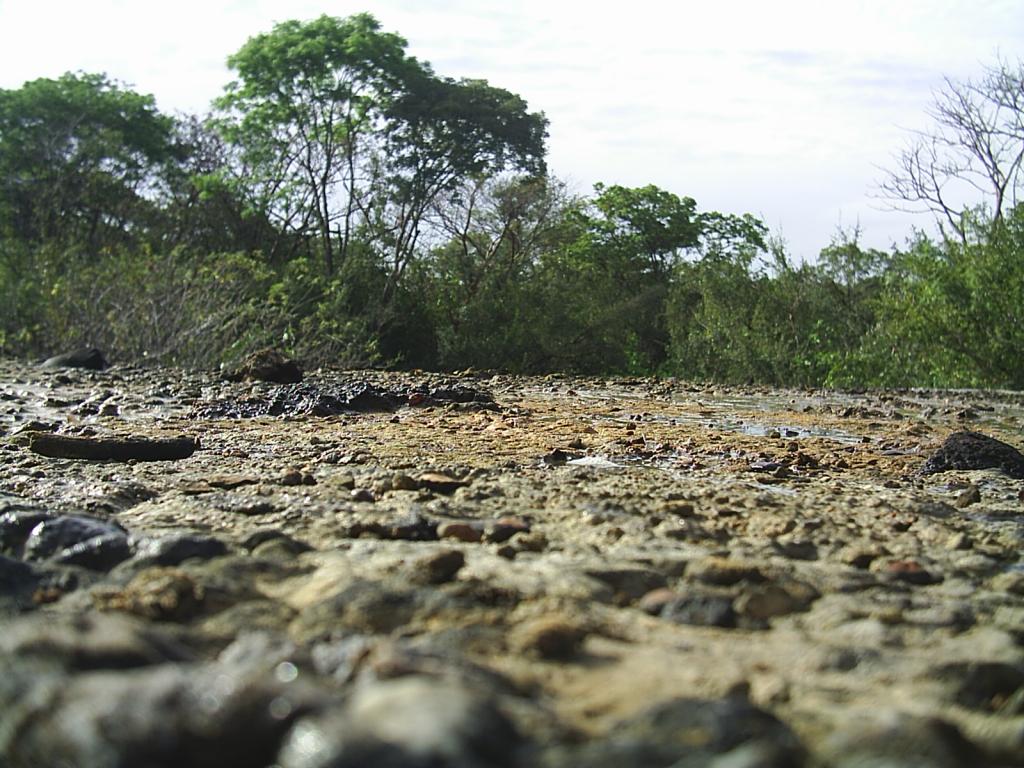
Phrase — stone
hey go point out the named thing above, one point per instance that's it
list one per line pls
(974, 450)
(551, 637)
(266, 365)
(895, 739)
(99, 553)
(469, 532)
(911, 572)
(630, 584)
(700, 610)
(202, 716)
(56, 534)
(414, 722)
(439, 482)
(438, 567)
(721, 571)
(160, 594)
(89, 358)
(89, 642)
(175, 548)
(767, 602)
(690, 733)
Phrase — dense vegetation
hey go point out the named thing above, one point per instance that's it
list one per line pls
(346, 203)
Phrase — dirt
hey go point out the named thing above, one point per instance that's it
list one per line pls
(588, 553)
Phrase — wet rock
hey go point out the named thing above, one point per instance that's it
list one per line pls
(16, 525)
(53, 535)
(175, 548)
(204, 716)
(303, 399)
(973, 450)
(86, 357)
(266, 365)
(112, 448)
(99, 553)
(413, 722)
(896, 739)
(700, 610)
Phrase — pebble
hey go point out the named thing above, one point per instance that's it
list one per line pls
(701, 610)
(439, 567)
(470, 532)
(724, 572)
(550, 637)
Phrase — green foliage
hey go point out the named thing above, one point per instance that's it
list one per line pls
(352, 206)
(951, 314)
(79, 157)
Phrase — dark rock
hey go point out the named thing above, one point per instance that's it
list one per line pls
(412, 722)
(973, 450)
(176, 548)
(410, 527)
(87, 357)
(15, 526)
(266, 365)
(202, 716)
(438, 482)
(687, 733)
(112, 448)
(700, 610)
(53, 535)
(100, 553)
(18, 581)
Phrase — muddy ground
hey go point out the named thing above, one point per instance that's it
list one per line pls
(417, 570)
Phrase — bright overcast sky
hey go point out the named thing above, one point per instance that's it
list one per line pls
(780, 108)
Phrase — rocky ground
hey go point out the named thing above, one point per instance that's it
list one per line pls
(415, 570)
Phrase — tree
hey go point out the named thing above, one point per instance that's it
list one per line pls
(79, 156)
(307, 97)
(973, 155)
(340, 133)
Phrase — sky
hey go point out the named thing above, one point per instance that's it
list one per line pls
(786, 109)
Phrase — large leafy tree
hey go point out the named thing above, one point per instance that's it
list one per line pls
(340, 134)
(79, 159)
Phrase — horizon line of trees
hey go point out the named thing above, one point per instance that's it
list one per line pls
(346, 203)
